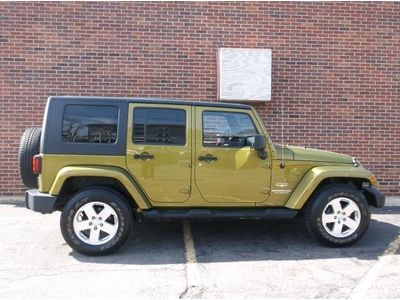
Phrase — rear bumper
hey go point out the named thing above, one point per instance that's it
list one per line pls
(40, 202)
(374, 197)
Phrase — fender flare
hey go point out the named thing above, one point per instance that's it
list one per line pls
(102, 171)
(315, 176)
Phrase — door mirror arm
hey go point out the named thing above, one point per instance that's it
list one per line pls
(262, 154)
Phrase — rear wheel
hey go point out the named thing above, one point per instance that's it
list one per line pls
(338, 216)
(28, 148)
(96, 221)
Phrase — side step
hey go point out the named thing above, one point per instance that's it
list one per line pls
(205, 213)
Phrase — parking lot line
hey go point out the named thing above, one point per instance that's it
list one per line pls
(371, 276)
(193, 287)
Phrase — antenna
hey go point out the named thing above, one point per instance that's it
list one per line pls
(282, 161)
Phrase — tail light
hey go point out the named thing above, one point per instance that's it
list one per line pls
(36, 164)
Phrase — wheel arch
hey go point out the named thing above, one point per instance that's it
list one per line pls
(70, 180)
(319, 177)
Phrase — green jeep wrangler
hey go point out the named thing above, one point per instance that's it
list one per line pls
(105, 162)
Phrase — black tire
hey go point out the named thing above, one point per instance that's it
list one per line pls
(315, 208)
(29, 147)
(103, 195)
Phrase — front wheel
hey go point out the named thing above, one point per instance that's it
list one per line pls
(338, 216)
(96, 221)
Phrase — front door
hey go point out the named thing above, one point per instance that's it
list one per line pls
(159, 150)
(226, 169)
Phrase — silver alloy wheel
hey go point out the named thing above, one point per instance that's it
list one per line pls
(95, 223)
(341, 217)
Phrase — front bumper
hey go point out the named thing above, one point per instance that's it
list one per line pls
(374, 197)
(40, 202)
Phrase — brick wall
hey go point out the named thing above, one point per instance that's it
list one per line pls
(336, 67)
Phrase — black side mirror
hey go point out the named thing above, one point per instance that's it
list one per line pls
(259, 142)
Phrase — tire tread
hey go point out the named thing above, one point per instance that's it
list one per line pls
(319, 199)
(89, 192)
(29, 147)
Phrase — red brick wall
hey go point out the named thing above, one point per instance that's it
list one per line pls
(336, 67)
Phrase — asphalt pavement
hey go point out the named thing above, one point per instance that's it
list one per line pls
(208, 259)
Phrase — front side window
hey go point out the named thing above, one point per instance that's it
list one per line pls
(159, 126)
(227, 129)
(90, 124)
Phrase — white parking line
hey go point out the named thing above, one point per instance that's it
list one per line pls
(370, 277)
(190, 252)
(194, 288)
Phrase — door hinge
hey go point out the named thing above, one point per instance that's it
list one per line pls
(184, 190)
(265, 191)
(265, 165)
(185, 163)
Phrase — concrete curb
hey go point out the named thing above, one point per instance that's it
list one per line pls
(390, 201)
(12, 198)
(18, 200)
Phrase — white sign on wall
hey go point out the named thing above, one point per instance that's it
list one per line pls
(244, 74)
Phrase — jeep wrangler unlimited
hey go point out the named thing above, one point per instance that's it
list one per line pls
(105, 162)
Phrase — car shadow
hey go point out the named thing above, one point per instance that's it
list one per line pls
(243, 240)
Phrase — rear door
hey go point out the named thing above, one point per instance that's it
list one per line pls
(159, 150)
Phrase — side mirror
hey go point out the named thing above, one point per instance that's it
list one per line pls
(259, 142)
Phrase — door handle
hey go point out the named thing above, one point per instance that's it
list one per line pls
(143, 156)
(208, 158)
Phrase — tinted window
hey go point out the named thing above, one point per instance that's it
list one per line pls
(226, 129)
(159, 126)
(90, 124)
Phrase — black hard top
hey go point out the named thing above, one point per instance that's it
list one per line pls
(151, 101)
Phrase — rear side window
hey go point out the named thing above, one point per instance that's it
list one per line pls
(159, 126)
(227, 129)
(90, 124)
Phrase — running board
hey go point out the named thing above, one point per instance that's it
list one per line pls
(205, 213)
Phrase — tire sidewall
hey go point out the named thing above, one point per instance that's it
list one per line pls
(115, 201)
(315, 219)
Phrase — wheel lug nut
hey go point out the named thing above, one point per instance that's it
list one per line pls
(90, 223)
(344, 219)
(100, 218)
(101, 225)
(338, 212)
(335, 217)
(93, 218)
(344, 213)
(95, 228)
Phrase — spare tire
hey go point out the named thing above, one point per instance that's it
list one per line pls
(28, 148)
